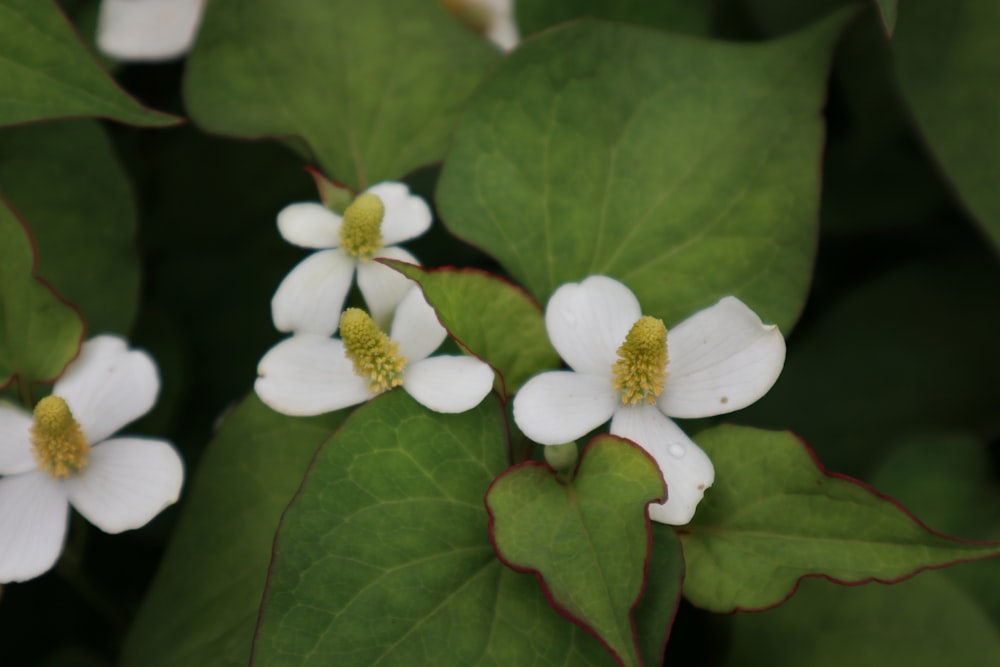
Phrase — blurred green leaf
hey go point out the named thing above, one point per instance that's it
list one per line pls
(587, 539)
(687, 16)
(497, 321)
(948, 69)
(39, 332)
(202, 607)
(66, 180)
(774, 516)
(888, 11)
(654, 615)
(923, 622)
(372, 88)
(390, 525)
(686, 168)
(47, 72)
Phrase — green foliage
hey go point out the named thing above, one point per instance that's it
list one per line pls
(553, 173)
(65, 179)
(202, 608)
(373, 88)
(774, 517)
(586, 538)
(688, 16)
(39, 332)
(497, 321)
(48, 73)
(389, 525)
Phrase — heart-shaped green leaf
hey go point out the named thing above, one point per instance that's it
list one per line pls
(687, 168)
(946, 62)
(373, 88)
(495, 320)
(47, 72)
(654, 615)
(775, 516)
(202, 607)
(390, 525)
(65, 179)
(39, 332)
(588, 539)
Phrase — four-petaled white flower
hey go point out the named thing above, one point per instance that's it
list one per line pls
(310, 298)
(309, 374)
(64, 455)
(629, 369)
(148, 30)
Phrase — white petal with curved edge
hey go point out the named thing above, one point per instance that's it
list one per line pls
(108, 386)
(309, 225)
(311, 297)
(15, 440)
(127, 482)
(448, 383)
(722, 359)
(33, 518)
(406, 217)
(686, 469)
(587, 322)
(416, 327)
(309, 375)
(148, 30)
(383, 288)
(560, 406)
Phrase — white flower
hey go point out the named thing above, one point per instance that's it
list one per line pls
(493, 18)
(309, 374)
(310, 298)
(64, 455)
(148, 30)
(629, 369)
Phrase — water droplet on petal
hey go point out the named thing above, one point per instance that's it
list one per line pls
(677, 451)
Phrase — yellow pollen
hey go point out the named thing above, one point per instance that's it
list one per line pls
(375, 357)
(57, 442)
(360, 233)
(641, 370)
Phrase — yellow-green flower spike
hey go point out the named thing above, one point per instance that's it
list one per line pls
(57, 442)
(641, 370)
(360, 232)
(375, 357)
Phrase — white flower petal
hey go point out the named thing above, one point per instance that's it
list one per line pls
(309, 375)
(310, 298)
(127, 482)
(448, 384)
(383, 288)
(587, 322)
(416, 327)
(108, 386)
(310, 225)
(686, 469)
(722, 359)
(406, 216)
(560, 406)
(15, 440)
(148, 30)
(33, 518)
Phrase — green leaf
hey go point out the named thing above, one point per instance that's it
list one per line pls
(495, 320)
(687, 168)
(587, 539)
(688, 16)
(654, 615)
(390, 526)
(947, 66)
(49, 73)
(888, 10)
(775, 516)
(373, 88)
(65, 179)
(39, 332)
(202, 607)
(924, 622)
